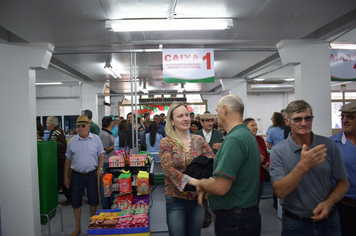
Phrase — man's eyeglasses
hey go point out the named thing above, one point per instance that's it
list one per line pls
(299, 119)
(83, 126)
(348, 117)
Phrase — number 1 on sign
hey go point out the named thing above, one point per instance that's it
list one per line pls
(208, 60)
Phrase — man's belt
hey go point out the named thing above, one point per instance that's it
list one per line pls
(308, 220)
(235, 211)
(88, 173)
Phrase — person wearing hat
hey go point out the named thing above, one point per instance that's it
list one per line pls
(214, 138)
(85, 156)
(108, 140)
(346, 142)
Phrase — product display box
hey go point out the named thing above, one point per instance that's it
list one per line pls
(138, 231)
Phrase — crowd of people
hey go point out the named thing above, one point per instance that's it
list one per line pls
(217, 164)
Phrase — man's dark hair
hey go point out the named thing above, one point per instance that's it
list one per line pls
(88, 113)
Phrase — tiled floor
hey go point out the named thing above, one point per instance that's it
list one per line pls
(271, 224)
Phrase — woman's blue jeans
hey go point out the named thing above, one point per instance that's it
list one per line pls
(184, 217)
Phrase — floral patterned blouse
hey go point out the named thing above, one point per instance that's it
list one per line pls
(174, 161)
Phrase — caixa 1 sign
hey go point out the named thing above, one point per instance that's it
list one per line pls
(188, 65)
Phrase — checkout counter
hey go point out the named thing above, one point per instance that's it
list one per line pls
(158, 222)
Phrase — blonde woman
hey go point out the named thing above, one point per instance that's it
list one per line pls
(176, 151)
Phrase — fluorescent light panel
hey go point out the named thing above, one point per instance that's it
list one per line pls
(165, 24)
(350, 46)
(49, 83)
(112, 72)
(290, 79)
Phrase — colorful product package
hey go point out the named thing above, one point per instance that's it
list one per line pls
(123, 201)
(125, 182)
(107, 183)
(143, 187)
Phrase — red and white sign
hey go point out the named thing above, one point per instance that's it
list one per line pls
(343, 65)
(188, 65)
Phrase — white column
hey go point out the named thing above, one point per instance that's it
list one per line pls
(236, 86)
(90, 100)
(19, 195)
(312, 77)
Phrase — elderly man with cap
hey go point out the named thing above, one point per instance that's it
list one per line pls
(85, 156)
(346, 142)
(214, 138)
(108, 141)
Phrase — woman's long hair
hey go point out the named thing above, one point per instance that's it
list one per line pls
(170, 130)
(123, 125)
(152, 129)
(278, 120)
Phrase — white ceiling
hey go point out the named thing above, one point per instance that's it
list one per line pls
(248, 50)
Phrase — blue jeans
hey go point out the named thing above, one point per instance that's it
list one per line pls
(184, 217)
(248, 223)
(327, 227)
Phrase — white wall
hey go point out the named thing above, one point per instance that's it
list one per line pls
(212, 102)
(69, 100)
(262, 105)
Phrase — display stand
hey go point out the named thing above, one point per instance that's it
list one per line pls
(135, 231)
(48, 220)
(47, 180)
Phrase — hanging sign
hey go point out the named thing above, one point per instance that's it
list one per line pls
(188, 65)
(343, 65)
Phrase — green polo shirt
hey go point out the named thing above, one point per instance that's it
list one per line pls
(238, 160)
(94, 128)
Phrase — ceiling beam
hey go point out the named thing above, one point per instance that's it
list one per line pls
(342, 24)
(64, 68)
(258, 66)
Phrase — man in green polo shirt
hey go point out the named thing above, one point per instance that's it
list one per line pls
(94, 128)
(234, 185)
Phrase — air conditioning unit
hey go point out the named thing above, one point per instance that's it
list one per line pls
(273, 87)
(150, 101)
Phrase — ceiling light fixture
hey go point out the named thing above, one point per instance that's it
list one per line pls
(166, 24)
(350, 46)
(181, 89)
(290, 79)
(259, 79)
(111, 71)
(49, 83)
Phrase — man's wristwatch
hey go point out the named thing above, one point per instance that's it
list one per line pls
(100, 168)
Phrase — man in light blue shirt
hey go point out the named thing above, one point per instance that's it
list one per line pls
(346, 142)
(85, 156)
